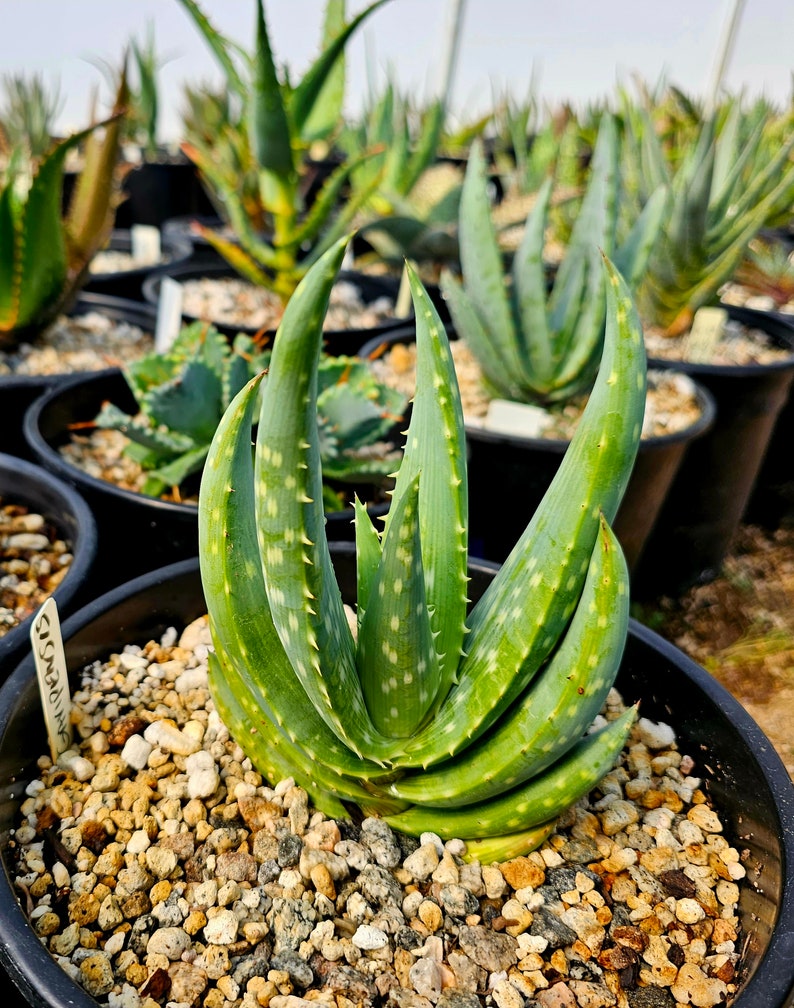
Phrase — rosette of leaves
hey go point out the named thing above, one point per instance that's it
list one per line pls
(182, 394)
(253, 165)
(44, 253)
(410, 200)
(27, 115)
(728, 183)
(536, 339)
(472, 724)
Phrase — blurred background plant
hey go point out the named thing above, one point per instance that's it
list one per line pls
(256, 162)
(730, 181)
(28, 113)
(45, 252)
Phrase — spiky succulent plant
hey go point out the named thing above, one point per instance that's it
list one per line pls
(469, 724)
(537, 341)
(182, 394)
(45, 254)
(253, 165)
(728, 183)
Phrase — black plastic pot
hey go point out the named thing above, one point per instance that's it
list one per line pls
(741, 771)
(17, 392)
(158, 190)
(128, 283)
(137, 533)
(29, 485)
(509, 474)
(337, 342)
(711, 491)
(181, 228)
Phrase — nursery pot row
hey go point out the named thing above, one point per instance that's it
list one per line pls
(39, 492)
(18, 391)
(713, 487)
(743, 775)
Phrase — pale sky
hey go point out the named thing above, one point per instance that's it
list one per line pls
(578, 49)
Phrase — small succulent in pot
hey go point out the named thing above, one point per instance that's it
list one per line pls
(183, 392)
(45, 254)
(395, 717)
(539, 340)
(729, 183)
(254, 162)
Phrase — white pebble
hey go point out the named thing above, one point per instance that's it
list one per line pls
(169, 738)
(81, 768)
(136, 752)
(221, 929)
(203, 776)
(689, 911)
(655, 735)
(368, 937)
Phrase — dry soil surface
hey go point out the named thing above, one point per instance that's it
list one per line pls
(740, 627)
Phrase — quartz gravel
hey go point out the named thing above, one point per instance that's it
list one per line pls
(86, 342)
(34, 559)
(671, 402)
(232, 301)
(159, 868)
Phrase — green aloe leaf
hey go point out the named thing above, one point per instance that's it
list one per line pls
(304, 598)
(518, 621)
(279, 716)
(398, 666)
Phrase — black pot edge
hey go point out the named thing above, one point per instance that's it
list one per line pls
(776, 325)
(179, 250)
(770, 988)
(76, 522)
(51, 459)
(708, 407)
(151, 294)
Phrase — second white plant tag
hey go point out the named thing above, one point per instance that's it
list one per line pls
(48, 654)
(169, 314)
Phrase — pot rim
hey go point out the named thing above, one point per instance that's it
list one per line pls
(769, 983)
(123, 309)
(71, 504)
(781, 329)
(704, 422)
(384, 286)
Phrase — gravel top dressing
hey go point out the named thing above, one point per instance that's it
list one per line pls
(34, 560)
(158, 867)
(87, 342)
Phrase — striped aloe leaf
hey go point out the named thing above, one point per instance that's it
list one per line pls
(360, 717)
(538, 341)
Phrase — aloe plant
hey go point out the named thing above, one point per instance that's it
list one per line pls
(254, 164)
(728, 184)
(44, 254)
(27, 115)
(768, 269)
(182, 394)
(396, 717)
(539, 342)
(407, 209)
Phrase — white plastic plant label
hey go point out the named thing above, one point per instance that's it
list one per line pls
(708, 327)
(145, 244)
(48, 654)
(169, 314)
(517, 419)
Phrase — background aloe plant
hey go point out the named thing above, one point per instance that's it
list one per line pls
(394, 718)
(182, 395)
(728, 184)
(254, 164)
(44, 253)
(538, 340)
